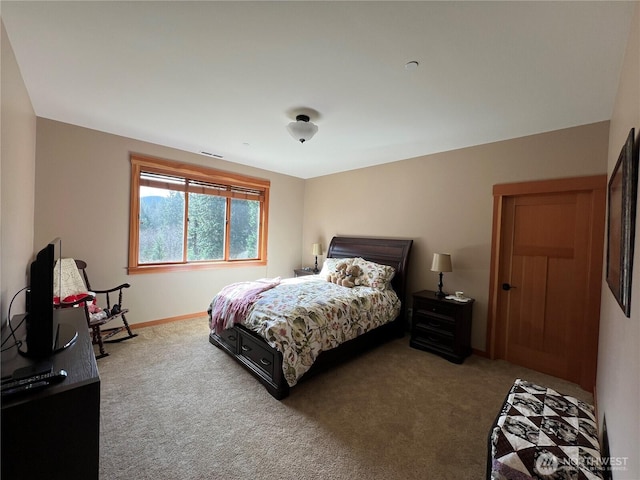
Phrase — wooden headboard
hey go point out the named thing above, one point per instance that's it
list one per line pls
(385, 251)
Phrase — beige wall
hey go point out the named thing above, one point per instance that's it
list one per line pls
(82, 195)
(17, 169)
(444, 203)
(618, 380)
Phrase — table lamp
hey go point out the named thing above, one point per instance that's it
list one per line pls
(441, 263)
(317, 250)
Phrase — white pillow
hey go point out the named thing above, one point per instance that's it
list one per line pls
(374, 274)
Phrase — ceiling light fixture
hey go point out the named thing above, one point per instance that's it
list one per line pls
(302, 129)
(411, 66)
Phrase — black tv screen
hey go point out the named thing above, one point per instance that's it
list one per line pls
(44, 335)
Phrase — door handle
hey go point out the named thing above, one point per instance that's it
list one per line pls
(506, 287)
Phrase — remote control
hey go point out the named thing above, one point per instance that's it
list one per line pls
(32, 383)
(32, 370)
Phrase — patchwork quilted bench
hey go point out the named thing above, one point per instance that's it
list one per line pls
(541, 434)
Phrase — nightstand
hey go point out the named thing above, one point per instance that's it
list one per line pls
(441, 326)
(301, 272)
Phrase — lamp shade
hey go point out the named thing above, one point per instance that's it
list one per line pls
(302, 129)
(317, 249)
(441, 263)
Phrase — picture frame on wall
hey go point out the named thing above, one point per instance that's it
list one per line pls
(621, 223)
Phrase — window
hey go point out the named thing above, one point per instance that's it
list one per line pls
(186, 216)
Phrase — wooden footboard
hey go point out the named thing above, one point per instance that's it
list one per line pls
(265, 362)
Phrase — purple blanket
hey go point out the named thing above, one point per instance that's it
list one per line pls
(231, 305)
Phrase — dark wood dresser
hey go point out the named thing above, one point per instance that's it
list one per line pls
(54, 433)
(441, 326)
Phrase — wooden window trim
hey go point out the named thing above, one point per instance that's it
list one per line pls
(140, 163)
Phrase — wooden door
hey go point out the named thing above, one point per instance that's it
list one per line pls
(546, 276)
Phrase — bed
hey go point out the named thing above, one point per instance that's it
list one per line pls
(246, 332)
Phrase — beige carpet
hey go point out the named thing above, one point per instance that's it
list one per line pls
(174, 406)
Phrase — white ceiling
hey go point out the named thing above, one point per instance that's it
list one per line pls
(227, 77)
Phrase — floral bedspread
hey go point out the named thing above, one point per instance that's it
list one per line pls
(304, 316)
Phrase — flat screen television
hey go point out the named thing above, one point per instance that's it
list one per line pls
(45, 335)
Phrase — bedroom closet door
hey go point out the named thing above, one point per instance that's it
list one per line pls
(547, 275)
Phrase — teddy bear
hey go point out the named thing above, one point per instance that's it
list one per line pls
(351, 279)
(340, 273)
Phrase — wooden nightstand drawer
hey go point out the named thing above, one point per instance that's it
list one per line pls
(435, 323)
(441, 326)
(437, 340)
(302, 272)
(430, 308)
